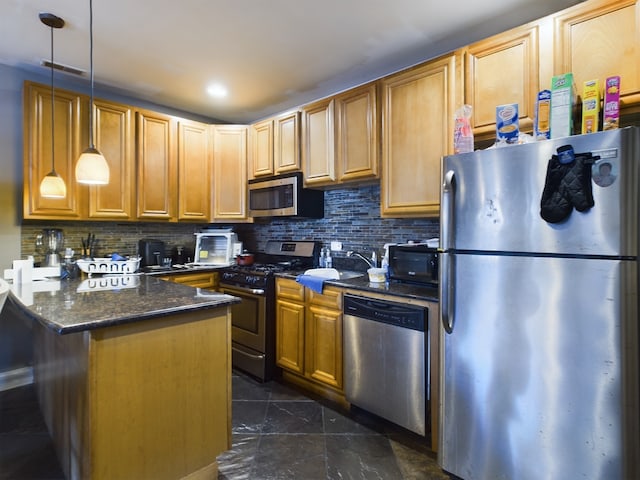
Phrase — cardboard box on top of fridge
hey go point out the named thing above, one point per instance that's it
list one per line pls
(590, 106)
(611, 115)
(563, 97)
(507, 123)
(543, 111)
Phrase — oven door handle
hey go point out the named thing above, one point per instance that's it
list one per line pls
(244, 352)
(254, 291)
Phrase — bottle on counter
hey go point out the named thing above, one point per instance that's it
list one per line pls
(69, 267)
(328, 261)
(322, 261)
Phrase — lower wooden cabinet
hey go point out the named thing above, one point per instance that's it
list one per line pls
(208, 280)
(309, 337)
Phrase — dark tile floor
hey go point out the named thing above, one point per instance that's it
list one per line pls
(278, 433)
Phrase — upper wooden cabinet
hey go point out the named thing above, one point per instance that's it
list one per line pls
(499, 70)
(318, 148)
(261, 135)
(340, 138)
(286, 142)
(357, 134)
(598, 39)
(417, 109)
(230, 173)
(114, 137)
(275, 145)
(37, 129)
(157, 166)
(195, 171)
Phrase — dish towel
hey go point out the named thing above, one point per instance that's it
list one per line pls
(314, 283)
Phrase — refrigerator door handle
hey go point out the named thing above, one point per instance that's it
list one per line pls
(446, 290)
(447, 267)
(447, 212)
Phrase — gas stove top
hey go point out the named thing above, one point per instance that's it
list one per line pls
(263, 269)
(278, 257)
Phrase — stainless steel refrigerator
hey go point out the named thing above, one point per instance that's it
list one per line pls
(540, 315)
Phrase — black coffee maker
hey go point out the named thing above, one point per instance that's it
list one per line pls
(152, 252)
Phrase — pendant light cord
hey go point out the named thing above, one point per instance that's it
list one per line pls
(91, 145)
(53, 155)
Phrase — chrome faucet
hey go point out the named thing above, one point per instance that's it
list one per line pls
(371, 263)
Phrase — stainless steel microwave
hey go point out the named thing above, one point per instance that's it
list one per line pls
(284, 196)
(414, 263)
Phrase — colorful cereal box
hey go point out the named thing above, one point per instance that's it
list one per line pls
(543, 110)
(611, 115)
(590, 106)
(507, 123)
(563, 95)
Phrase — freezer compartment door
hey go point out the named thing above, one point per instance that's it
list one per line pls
(496, 193)
(533, 370)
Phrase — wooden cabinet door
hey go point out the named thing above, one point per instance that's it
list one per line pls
(195, 171)
(230, 172)
(286, 142)
(417, 107)
(262, 149)
(290, 335)
(357, 134)
(157, 169)
(599, 39)
(323, 360)
(318, 148)
(499, 70)
(37, 133)
(114, 138)
(324, 346)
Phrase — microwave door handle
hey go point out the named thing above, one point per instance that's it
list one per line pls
(447, 259)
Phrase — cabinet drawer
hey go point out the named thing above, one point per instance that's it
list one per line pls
(287, 288)
(199, 280)
(331, 297)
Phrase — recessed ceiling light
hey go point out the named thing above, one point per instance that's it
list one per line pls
(216, 90)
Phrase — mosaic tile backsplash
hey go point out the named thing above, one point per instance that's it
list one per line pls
(352, 216)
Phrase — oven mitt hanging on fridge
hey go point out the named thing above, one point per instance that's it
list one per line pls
(567, 185)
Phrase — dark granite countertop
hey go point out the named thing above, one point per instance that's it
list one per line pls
(68, 306)
(397, 289)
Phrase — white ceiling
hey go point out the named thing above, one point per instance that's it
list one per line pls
(271, 55)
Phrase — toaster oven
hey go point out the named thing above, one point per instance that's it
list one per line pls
(216, 248)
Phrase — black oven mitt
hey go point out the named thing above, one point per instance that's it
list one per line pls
(567, 185)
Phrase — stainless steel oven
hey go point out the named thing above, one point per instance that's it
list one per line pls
(251, 342)
(253, 320)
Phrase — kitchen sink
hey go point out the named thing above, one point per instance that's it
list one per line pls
(333, 274)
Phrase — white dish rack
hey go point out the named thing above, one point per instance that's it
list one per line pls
(106, 265)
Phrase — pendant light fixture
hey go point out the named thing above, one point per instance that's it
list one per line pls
(52, 185)
(92, 167)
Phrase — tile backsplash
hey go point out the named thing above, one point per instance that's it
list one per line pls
(352, 216)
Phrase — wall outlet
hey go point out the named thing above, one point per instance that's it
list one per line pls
(336, 246)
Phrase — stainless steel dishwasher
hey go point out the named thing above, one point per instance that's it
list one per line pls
(385, 360)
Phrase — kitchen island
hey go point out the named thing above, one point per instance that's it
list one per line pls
(133, 375)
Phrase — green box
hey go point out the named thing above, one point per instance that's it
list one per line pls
(563, 98)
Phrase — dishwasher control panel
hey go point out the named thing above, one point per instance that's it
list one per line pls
(392, 313)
